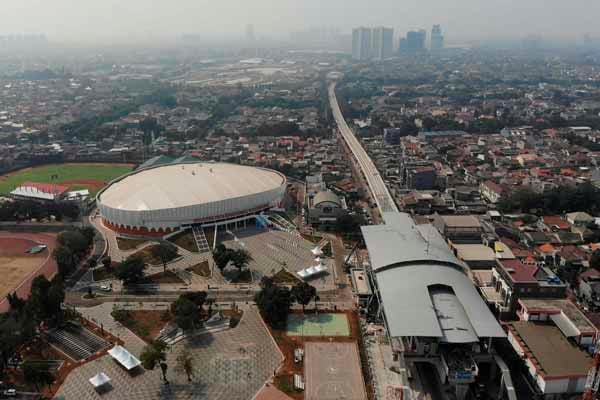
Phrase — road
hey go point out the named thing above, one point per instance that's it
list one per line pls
(377, 187)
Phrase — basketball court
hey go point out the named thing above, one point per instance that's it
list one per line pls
(332, 371)
(325, 324)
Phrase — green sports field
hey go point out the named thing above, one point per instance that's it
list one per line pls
(93, 176)
(326, 324)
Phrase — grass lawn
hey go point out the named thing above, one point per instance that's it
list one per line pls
(185, 240)
(201, 269)
(149, 258)
(91, 176)
(129, 244)
(284, 277)
(164, 277)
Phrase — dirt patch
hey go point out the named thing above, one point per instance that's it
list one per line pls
(126, 244)
(147, 254)
(185, 240)
(147, 323)
(167, 277)
(15, 264)
(201, 269)
(92, 185)
(284, 277)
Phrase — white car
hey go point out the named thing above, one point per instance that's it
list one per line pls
(105, 288)
(10, 393)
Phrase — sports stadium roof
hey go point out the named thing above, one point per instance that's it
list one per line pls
(424, 289)
(173, 186)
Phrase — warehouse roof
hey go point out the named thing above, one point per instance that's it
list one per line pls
(173, 186)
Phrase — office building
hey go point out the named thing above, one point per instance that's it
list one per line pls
(361, 43)
(413, 43)
(382, 44)
(437, 39)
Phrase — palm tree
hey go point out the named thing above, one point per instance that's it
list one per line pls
(185, 363)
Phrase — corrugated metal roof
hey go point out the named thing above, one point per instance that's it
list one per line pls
(410, 263)
(400, 240)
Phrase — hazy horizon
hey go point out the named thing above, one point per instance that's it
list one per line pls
(103, 20)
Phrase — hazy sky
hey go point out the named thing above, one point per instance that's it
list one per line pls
(82, 20)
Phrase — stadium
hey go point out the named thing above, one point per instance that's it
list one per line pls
(159, 200)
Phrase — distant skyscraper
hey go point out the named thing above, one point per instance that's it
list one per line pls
(250, 32)
(437, 39)
(414, 42)
(361, 43)
(383, 43)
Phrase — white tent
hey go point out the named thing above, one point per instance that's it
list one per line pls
(317, 251)
(312, 271)
(125, 358)
(99, 379)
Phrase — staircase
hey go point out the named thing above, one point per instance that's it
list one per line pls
(200, 238)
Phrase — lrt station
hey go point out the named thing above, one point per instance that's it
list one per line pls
(434, 317)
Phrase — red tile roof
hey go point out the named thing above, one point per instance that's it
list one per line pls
(519, 272)
(555, 220)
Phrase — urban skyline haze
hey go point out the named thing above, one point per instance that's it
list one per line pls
(103, 20)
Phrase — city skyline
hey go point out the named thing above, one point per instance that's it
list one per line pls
(132, 21)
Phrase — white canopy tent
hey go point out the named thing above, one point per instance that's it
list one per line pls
(124, 357)
(312, 271)
(317, 251)
(99, 379)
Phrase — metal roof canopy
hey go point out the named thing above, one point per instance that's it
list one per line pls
(411, 262)
(400, 241)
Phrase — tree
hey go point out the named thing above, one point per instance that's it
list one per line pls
(131, 270)
(154, 354)
(185, 363)
(274, 303)
(66, 259)
(222, 255)
(107, 262)
(595, 259)
(303, 293)
(240, 258)
(75, 240)
(185, 312)
(198, 298)
(165, 252)
(37, 374)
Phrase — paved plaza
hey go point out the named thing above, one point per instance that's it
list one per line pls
(273, 250)
(228, 365)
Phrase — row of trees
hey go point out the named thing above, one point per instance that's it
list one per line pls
(22, 210)
(18, 327)
(72, 247)
(274, 301)
(563, 199)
